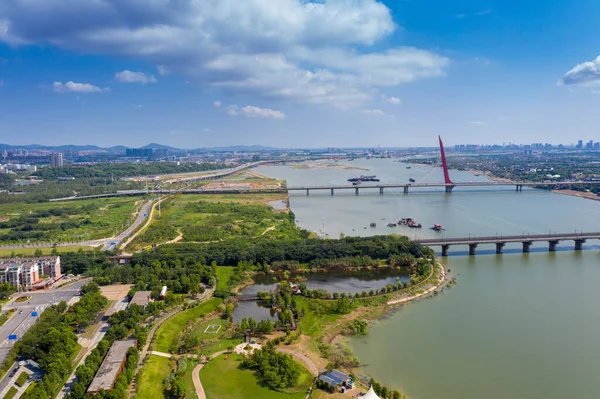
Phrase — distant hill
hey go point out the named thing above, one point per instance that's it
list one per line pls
(120, 149)
(240, 148)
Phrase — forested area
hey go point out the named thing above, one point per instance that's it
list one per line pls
(118, 170)
(52, 342)
(275, 370)
(303, 250)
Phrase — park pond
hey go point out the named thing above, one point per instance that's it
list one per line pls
(349, 282)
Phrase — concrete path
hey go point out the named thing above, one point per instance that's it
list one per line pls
(196, 376)
(302, 358)
(162, 354)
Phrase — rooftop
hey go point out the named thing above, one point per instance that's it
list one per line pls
(141, 298)
(111, 366)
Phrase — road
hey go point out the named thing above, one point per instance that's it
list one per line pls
(91, 344)
(20, 322)
(141, 218)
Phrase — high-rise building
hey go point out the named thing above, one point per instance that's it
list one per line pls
(580, 144)
(56, 160)
(589, 145)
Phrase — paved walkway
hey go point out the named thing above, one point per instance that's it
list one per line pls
(302, 358)
(162, 354)
(196, 376)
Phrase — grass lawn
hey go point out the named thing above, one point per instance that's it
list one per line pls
(224, 273)
(8, 253)
(167, 334)
(68, 221)
(222, 379)
(206, 218)
(199, 330)
(150, 379)
(220, 345)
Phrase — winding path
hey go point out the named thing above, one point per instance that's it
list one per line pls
(196, 376)
(302, 358)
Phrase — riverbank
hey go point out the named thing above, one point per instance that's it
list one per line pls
(580, 194)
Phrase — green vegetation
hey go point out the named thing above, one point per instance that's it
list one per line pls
(22, 378)
(11, 393)
(206, 219)
(5, 316)
(71, 221)
(167, 335)
(23, 298)
(224, 274)
(6, 290)
(230, 253)
(242, 383)
(54, 250)
(274, 369)
(151, 377)
(52, 343)
(120, 170)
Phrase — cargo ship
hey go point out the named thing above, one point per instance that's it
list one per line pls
(363, 178)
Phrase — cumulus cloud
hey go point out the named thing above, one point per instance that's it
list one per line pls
(587, 72)
(217, 103)
(250, 111)
(127, 76)
(304, 51)
(74, 87)
(391, 100)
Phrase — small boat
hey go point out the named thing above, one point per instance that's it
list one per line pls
(373, 224)
(411, 180)
(408, 167)
(437, 227)
(391, 224)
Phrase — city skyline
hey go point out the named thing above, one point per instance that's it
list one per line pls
(290, 75)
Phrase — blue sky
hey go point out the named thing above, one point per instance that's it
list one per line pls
(195, 73)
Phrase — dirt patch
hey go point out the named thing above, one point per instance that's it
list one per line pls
(115, 292)
(580, 194)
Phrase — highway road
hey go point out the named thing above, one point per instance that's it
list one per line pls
(20, 322)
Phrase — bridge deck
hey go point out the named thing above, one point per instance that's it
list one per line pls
(508, 239)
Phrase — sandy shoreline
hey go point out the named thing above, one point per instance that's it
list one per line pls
(580, 194)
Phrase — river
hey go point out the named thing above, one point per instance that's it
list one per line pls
(515, 326)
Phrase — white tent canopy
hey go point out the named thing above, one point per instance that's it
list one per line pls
(370, 394)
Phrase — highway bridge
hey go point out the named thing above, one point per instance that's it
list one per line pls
(333, 188)
(500, 240)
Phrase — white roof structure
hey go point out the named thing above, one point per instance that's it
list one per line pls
(370, 394)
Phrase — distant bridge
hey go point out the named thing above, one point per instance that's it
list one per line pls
(332, 188)
(500, 240)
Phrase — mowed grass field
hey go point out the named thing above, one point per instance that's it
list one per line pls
(216, 323)
(68, 221)
(150, 379)
(224, 274)
(168, 333)
(9, 253)
(222, 379)
(207, 218)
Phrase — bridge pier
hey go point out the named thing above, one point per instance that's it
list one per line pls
(445, 248)
(356, 189)
(307, 192)
(527, 245)
(499, 247)
(332, 191)
(579, 244)
(405, 189)
(552, 245)
(472, 249)
(449, 189)
(381, 190)
(519, 187)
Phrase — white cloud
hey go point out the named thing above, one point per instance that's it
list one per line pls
(250, 111)
(391, 99)
(483, 12)
(127, 76)
(373, 112)
(477, 123)
(303, 51)
(587, 72)
(233, 110)
(73, 87)
(460, 16)
(139, 106)
(217, 103)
